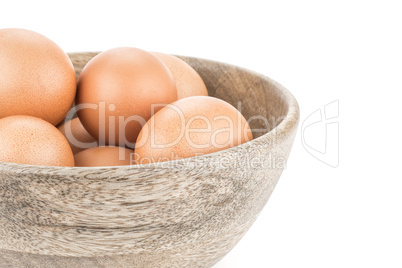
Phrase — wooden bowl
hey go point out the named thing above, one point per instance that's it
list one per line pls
(185, 213)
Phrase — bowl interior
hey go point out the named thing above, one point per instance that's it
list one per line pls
(256, 97)
(262, 104)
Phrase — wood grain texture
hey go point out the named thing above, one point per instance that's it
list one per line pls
(185, 213)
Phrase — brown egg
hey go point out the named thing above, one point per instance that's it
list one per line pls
(120, 88)
(37, 77)
(104, 156)
(77, 136)
(33, 141)
(188, 81)
(189, 127)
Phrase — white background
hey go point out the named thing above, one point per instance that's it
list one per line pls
(322, 51)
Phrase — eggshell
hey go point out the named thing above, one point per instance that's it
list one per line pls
(104, 156)
(77, 136)
(37, 77)
(189, 127)
(33, 141)
(120, 88)
(188, 81)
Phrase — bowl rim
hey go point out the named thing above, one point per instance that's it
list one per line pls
(289, 122)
